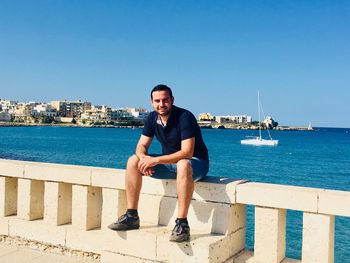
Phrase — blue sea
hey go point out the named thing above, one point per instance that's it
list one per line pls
(319, 158)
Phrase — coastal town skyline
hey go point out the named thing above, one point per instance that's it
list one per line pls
(68, 111)
(214, 55)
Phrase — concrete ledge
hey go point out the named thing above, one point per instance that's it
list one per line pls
(279, 196)
(91, 241)
(37, 230)
(4, 226)
(212, 189)
(152, 243)
(108, 178)
(11, 168)
(248, 257)
(208, 217)
(73, 174)
(334, 203)
(113, 257)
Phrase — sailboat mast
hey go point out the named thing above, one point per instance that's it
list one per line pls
(259, 115)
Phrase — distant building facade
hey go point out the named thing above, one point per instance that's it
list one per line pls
(97, 113)
(5, 116)
(70, 109)
(206, 117)
(233, 119)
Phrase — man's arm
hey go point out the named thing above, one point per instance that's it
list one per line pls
(186, 152)
(143, 145)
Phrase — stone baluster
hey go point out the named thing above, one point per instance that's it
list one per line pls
(270, 235)
(30, 199)
(8, 196)
(87, 204)
(58, 203)
(114, 204)
(318, 238)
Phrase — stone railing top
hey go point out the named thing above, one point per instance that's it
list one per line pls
(304, 199)
(213, 189)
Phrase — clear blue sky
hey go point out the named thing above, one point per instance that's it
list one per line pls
(214, 54)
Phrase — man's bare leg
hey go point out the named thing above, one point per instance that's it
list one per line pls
(185, 187)
(133, 183)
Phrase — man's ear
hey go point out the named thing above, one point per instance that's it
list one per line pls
(173, 99)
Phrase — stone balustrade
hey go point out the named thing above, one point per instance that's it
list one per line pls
(71, 206)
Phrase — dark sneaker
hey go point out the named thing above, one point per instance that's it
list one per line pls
(126, 222)
(181, 232)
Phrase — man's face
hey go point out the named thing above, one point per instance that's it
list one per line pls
(162, 102)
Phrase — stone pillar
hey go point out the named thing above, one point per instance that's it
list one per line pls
(318, 238)
(114, 205)
(270, 234)
(8, 196)
(30, 199)
(87, 203)
(58, 203)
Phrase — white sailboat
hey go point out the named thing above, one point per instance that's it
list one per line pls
(309, 128)
(258, 140)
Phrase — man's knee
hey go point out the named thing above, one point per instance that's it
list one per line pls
(133, 161)
(184, 166)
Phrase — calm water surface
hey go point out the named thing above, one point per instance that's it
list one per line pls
(314, 159)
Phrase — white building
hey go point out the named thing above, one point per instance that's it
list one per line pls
(8, 106)
(140, 114)
(121, 115)
(97, 113)
(44, 109)
(234, 119)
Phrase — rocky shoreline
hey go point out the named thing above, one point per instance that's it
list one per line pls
(203, 126)
(233, 126)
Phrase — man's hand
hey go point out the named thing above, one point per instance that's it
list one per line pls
(146, 164)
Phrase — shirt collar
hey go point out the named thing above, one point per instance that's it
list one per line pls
(170, 120)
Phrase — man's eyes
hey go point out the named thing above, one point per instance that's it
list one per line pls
(165, 100)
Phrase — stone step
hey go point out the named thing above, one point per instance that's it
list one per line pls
(151, 243)
(248, 257)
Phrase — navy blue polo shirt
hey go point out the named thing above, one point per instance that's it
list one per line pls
(181, 125)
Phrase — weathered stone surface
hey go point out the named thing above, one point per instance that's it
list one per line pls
(202, 248)
(214, 189)
(108, 178)
(318, 238)
(270, 234)
(37, 230)
(4, 226)
(73, 174)
(278, 196)
(113, 205)
(334, 203)
(11, 168)
(8, 196)
(208, 217)
(141, 243)
(30, 199)
(248, 257)
(113, 257)
(58, 203)
(87, 207)
(91, 241)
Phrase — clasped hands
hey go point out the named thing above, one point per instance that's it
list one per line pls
(146, 164)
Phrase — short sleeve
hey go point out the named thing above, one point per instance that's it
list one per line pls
(187, 126)
(148, 128)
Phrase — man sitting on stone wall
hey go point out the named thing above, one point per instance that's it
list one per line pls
(184, 158)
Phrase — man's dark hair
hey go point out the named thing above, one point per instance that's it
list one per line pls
(162, 87)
